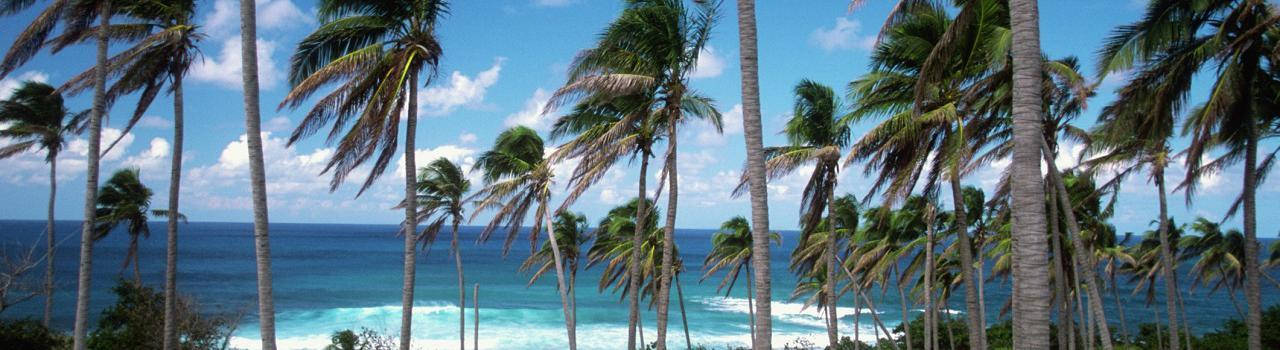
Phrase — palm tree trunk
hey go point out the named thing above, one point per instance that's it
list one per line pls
(48, 262)
(1060, 285)
(688, 344)
(171, 249)
(906, 317)
(637, 240)
(1031, 272)
(1115, 294)
(1082, 254)
(1155, 318)
(257, 172)
(751, 311)
(1087, 333)
(930, 327)
(748, 63)
(875, 317)
(1252, 273)
(79, 342)
(475, 307)
(1166, 259)
(857, 317)
(462, 290)
(563, 289)
(829, 288)
(977, 327)
(669, 231)
(980, 238)
(410, 216)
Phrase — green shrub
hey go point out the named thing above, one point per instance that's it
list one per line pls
(27, 334)
(136, 321)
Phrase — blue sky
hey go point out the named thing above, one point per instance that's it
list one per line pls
(502, 59)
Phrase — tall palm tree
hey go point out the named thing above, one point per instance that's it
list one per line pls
(651, 48)
(1031, 278)
(442, 185)
(518, 177)
(1233, 39)
(163, 52)
(38, 119)
(572, 232)
(731, 251)
(257, 172)
(77, 16)
(749, 67)
(375, 53)
(815, 137)
(125, 200)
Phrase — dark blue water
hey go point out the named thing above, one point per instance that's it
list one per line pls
(331, 277)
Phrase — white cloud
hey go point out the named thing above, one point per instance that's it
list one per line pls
(707, 135)
(467, 138)
(279, 124)
(531, 115)
(224, 69)
(154, 161)
(8, 85)
(30, 168)
(460, 91)
(842, 36)
(155, 122)
(553, 3)
(224, 19)
(709, 65)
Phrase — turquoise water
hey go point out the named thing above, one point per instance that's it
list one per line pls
(331, 277)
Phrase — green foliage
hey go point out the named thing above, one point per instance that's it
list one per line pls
(27, 334)
(136, 321)
(367, 339)
(1234, 333)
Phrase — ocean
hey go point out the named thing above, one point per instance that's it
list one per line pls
(330, 277)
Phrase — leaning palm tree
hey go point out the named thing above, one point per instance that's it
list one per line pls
(1234, 39)
(1218, 258)
(731, 251)
(442, 185)
(375, 53)
(78, 16)
(162, 54)
(125, 200)
(651, 48)
(749, 66)
(816, 136)
(257, 172)
(573, 234)
(518, 177)
(36, 118)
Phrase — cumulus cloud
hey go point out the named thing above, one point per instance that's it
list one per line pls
(153, 161)
(280, 124)
(224, 19)
(224, 69)
(155, 122)
(467, 138)
(709, 64)
(30, 168)
(461, 90)
(531, 115)
(844, 35)
(707, 135)
(8, 85)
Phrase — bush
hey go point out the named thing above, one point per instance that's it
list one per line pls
(136, 321)
(29, 334)
(368, 339)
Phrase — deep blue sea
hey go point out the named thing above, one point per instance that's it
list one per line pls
(331, 277)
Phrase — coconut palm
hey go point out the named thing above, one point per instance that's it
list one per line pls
(257, 172)
(1174, 41)
(375, 53)
(518, 178)
(651, 48)
(731, 251)
(442, 185)
(1218, 256)
(749, 66)
(78, 16)
(164, 50)
(572, 232)
(36, 118)
(125, 200)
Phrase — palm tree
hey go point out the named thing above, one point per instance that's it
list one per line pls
(162, 55)
(816, 137)
(749, 66)
(731, 251)
(37, 118)
(1232, 38)
(441, 188)
(257, 172)
(572, 232)
(1031, 278)
(375, 52)
(78, 16)
(125, 200)
(650, 49)
(518, 178)
(1218, 258)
